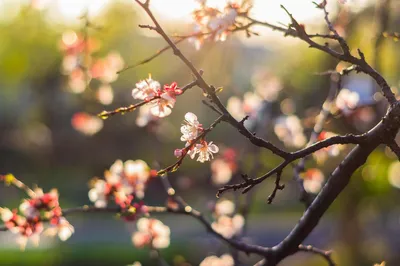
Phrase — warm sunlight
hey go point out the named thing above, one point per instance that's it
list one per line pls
(181, 9)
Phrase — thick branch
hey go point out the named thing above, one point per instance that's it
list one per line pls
(395, 148)
(338, 180)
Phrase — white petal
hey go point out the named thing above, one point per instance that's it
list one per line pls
(143, 224)
(161, 242)
(191, 118)
(213, 148)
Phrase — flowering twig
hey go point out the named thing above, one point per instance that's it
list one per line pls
(298, 31)
(133, 107)
(173, 167)
(251, 182)
(10, 179)
(345, 56)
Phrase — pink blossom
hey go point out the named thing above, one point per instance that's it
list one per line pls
(151, 232)
(86, 123)
(224, 260)
(63, 229)
(105, 94)
(214, 24)
(29, 225)
(146, 89)
(206, 151)
(162, 107)
(313, 180)
(224, 207)
(122, 182)
(178, 152)
(227, 226)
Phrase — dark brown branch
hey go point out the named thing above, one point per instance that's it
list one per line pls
(288, 31)
(347, 57)
(250, 183)
(298, 31)
(338, 180)
(336, 84)
(387, 129)
(342, 42)
(395, 148)
(278, 186)
(210, 91)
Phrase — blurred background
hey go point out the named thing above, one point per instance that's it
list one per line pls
(45, 110)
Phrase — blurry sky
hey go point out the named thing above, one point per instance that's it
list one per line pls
(267, 10)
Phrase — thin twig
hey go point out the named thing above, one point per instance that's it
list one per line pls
(325, 254)
(173, 167)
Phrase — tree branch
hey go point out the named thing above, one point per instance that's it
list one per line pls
(325, 254)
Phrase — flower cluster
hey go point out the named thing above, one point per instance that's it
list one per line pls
(191, 131)
(214, 23)
(152, 233)
(161, 100)
(290, 131)
(123, 182)
(313, 179)
(224, 260)
(81, 67)
(227, 223)
(224, 167)
(28, 222)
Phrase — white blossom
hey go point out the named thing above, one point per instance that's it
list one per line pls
(224, 260)
(151, 232)
(146, 89)
(162, 107)
(206, 151)
(228, 226)
(191, 128)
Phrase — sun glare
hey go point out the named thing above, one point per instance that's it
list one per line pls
(180, 10)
